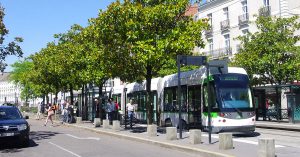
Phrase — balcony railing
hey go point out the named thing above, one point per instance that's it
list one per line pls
(243, 19)
(209, 31)
(265, 11)
(225, 25)
(224, 52)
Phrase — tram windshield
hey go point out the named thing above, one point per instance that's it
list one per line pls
(233, 91)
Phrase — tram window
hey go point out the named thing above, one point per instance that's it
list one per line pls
(170, 99)
(213, 96)
(194, 98)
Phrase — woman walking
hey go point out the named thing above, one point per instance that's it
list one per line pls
(50, 110)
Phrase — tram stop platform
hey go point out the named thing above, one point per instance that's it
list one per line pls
(241, 147)
(282, 125)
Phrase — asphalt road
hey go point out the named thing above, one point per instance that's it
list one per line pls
(61, 140)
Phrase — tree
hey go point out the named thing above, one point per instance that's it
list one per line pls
(24, 76)
(12, 48)
(271, 53)
(45, 69)
(140, 37)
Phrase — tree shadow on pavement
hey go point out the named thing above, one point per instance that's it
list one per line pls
(250, 134)
(41, 135)
(13, 146)
(139, 129)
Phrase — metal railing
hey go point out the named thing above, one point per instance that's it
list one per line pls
(225, 25)
(209, 31)
(265, 11)
(244, 19)
(223, 52)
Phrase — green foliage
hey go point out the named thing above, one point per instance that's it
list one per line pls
(144, 36)
(23, 75)
(12, 48)
(271, 53)
(140, 38)
(132, 40)
(28, 109)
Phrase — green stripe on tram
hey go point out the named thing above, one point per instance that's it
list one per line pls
(213, 114)
(210, 78)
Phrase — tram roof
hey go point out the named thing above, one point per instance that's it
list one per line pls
(133, 87)
(193, 77)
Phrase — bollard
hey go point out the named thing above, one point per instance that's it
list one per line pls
(97, 122)
(152, 130)
(171, 133)
(266, 147)
(105, 124)
(225, 141)
(116, 125)
(78, 120)
(195, 136)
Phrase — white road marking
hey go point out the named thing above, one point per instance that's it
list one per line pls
(65, 149)
(80, 138)
(245, 141)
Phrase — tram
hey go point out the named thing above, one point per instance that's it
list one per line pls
(232, 108)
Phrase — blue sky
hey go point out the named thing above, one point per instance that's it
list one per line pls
(36, 21)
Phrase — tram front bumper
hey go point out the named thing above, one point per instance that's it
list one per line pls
(235, 129)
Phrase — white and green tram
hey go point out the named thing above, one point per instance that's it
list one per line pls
(232, 108)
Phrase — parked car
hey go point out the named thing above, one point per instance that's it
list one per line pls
(13, 127)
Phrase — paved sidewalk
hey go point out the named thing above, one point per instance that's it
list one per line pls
(139, 134)
(241, 148)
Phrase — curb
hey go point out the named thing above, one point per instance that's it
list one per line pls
(278, 127)
(198, 151)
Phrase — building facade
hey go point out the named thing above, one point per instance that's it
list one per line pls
(232, 18)
(9, 92)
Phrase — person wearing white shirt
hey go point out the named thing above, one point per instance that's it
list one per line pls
(131, 109)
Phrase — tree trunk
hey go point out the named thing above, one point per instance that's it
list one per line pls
(148, 97)
(100, 102)
(82, 102)
(72, 95)
(47, 99)
(86, 101)
(278, 103)
(56, 100)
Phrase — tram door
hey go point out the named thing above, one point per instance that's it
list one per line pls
(194, 106)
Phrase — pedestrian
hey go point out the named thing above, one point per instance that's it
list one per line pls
(110, 109)
(117, 107)
(131, 109)
(96, 108)
(64, 115)
(50, 111)
(39, 110)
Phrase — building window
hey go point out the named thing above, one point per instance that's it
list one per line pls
(209, 16)
(227, 41)
(266, 3)
(211, 45)
(226, 13)
(244, 7)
